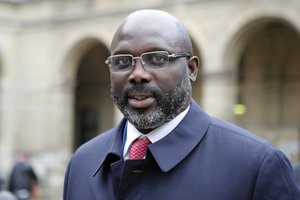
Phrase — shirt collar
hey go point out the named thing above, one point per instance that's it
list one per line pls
(154, 135)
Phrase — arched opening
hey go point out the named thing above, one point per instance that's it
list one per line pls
(93, 106)
(268, 76)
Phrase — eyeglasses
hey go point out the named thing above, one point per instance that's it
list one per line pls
(151, 60)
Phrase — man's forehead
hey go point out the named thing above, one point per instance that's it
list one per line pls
(137, 47)
(146, 29)
(143, 40)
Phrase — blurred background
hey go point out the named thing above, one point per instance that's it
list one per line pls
(54, 85)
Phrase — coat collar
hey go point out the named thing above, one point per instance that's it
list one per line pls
(173, 148)
(167, 152)
(111, 146)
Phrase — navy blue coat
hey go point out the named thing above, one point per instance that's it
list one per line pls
(202, 158)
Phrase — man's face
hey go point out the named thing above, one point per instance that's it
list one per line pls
(147, 97)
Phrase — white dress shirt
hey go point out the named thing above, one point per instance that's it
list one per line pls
(154, 135)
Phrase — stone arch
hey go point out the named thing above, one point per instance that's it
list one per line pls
(265, 57)
(88, 78)
(244, 33)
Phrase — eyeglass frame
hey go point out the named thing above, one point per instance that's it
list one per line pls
(170, 56)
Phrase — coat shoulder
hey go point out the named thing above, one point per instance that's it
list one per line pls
(234, 132)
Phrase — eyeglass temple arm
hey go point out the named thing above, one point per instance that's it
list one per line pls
(176, 55)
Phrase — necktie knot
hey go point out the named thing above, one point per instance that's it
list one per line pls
(138, 148)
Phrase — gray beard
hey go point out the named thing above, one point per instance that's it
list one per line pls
(169, 105)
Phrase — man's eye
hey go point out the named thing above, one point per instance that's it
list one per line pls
(122, 61)
(157, 59)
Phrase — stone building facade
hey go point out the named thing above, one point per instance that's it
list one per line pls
(54, 85)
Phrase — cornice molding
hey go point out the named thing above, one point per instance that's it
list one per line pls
(87, 14)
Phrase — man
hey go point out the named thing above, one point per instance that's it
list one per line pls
(23, 179)
(190, 155)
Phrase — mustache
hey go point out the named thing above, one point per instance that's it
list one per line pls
(141, 88)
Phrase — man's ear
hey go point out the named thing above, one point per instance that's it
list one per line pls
(193, 64)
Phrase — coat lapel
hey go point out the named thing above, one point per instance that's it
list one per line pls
(173, 148)
(111, 147)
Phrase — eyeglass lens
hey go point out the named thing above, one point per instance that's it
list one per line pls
(124, 62)
(155, 59)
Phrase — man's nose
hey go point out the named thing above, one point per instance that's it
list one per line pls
(138, 73)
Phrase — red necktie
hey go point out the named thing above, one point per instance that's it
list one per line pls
(138, 148)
